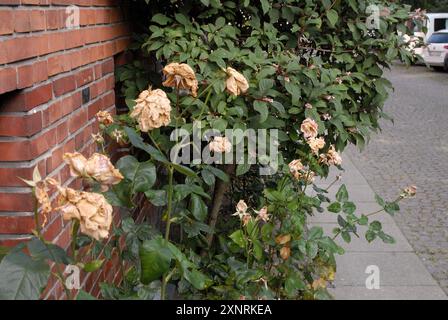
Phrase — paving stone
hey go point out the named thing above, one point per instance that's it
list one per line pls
(414, 150)
(396, 269)
(389, 293)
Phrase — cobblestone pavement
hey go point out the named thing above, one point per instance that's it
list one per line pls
(414, 150)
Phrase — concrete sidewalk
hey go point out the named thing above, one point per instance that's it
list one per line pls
(402, 274)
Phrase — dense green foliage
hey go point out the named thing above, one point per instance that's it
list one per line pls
(313, 60)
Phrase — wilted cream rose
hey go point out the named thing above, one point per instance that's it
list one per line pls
(263, 214)
(98, 138)
(77, 163)
(308, 105)
(152, 111)
(92, 211)
(331, 158)
(316, 144)
(309, 128)
(246, 219)
(181, 76)
(220, 144)
(236, 83)
(119, 136)
(43, 199)
(241, 206)
(102, 170)
(409, 192)
(104, 117)
(295, 167)
(308, 176)
(98, 167)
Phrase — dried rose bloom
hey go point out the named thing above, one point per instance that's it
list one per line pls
(92, 211)
(309, 128)
(326, 116)
(241, 206)
(105, 118)
(43, 199)
(181, 76)
(220, 144)
(102, 170)
(263, 214)
(316, 144)
(295, 167)
(77, 163)
(236, 83)
(409, 192)
(246, 219)
(331, 158)
(308, 176)
(308, 105)
(98, 138)
(97, 167)
(119, 136)
(152, 110)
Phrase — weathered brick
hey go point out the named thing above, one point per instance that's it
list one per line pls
(21, 126)
(16, 224)
(64, 85)
(6, 21)
(8, 79)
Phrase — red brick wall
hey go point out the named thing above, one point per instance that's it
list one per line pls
(53, 80)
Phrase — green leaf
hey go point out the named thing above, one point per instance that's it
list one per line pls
(294, 283)
(155, 259)
(386, 238)
(376, 226)
(218, 173)
(242, 168)
(311, 249)
(181, 191)
(380, 200)
(342, 194)
(363, 220)
(335, 207)
(265, 5)
(41, 251)
(198, 207)
(315, 233)
(156, 197)
(238, 238)
(160, 19)
(142, 174)
(332, 17)
(391, 208)
(21, 277)
(93, 266)
(82, 295)
(346, 236)
(137, 141)
(184, 170)
(349, 207)
(197, 279)
(370, 236)
(262, 108)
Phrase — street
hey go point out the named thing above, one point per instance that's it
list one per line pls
(414, 151)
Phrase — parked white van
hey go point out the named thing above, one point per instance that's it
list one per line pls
(435, 22)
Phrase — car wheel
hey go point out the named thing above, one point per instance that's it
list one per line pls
(445, 68)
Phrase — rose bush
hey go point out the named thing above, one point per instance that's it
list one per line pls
(310, 73)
